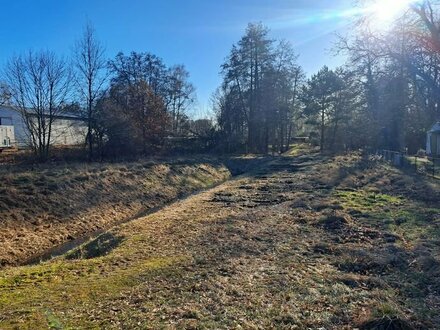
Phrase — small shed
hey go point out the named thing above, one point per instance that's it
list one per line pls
(433, 141)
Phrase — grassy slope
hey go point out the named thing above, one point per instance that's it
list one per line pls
(306, 242)
(43, 207)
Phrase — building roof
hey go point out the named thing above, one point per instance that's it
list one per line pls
(60, 115)
(435, 128)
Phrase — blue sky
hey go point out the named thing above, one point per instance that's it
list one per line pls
(196, 33)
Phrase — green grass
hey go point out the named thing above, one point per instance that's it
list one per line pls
(37, 296)
(297, 149)
(367, 201)
(401, 216)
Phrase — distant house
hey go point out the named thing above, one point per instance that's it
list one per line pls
(7, 134)
(433, 141)
(67, 129)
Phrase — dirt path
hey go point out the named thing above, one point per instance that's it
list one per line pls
(305, 242)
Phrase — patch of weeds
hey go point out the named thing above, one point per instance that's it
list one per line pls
(367, 201)
(365, 263)
(386, 317)
(385, 310)
(414, 223)
(402, 217)
(335, 221)
(53, 322)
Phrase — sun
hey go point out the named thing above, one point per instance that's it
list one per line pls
(387, 10)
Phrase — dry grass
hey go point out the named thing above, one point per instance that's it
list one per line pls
(42, 207)
(304, 242)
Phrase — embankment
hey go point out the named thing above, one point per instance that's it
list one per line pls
(47, 206)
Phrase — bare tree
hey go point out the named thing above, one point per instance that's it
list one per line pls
(39, 84)
(181, 94)
(90, 64)
(5, 94)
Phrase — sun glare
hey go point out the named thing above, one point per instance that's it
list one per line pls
(387, 10)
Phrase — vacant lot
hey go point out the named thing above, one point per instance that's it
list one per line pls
(305, 242)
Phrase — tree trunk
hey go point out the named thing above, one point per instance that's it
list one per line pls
(90, 121)
(322, 130)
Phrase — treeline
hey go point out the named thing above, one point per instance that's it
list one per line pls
(386, 96)
(257, 102)
(129, 104)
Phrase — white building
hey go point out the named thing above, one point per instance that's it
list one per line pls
(67, 130)
(7, 134)
(433, 141)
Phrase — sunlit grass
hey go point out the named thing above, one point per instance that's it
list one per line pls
(402, 216)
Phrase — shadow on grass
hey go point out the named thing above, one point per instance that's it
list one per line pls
(98, 247)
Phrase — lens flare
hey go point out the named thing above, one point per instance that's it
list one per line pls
(387, 10)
